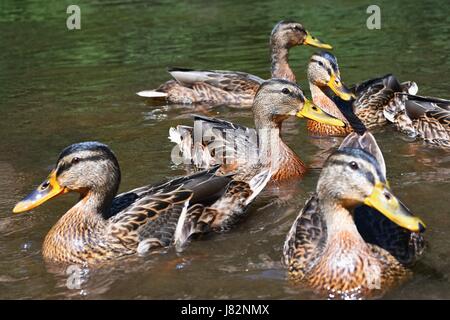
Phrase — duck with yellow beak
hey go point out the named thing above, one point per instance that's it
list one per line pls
(190, 86)
(103, 226)
(367, 100)
(213, 141)
(341, 250)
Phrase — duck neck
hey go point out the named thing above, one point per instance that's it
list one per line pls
(321, 99)
(269, 134)
(273, 152)
(97, 203)
(342, 233)
(280, 62)
(80, 228)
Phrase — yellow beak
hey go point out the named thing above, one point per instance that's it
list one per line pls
(384, 201)
(47, 190)
(312, 41)
(313, 112)
(339, 88)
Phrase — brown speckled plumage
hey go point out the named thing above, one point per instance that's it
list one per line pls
(426, 118)
(233, 87)
(102, 227)
(343, 253)
(372, 97)
(238, 146)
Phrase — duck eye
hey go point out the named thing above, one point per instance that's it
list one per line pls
(286, 91)
(354, 165)
(75, 160)
(320, 63)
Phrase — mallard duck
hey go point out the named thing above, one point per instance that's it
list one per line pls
(353, 238)
(232, 87)
(425, 118)
(213, 141)
(103, 226)
(376, 102)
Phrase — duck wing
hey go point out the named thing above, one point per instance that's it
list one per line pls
(305, 240)
(375, 228)
(214, 141)
(429, 117)
(151, 219)
(221, 215)
(231, 81)
(373, 96)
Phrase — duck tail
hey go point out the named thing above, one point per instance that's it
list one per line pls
(410, 87)
(257, 184)
(152, 94)
(187, 225)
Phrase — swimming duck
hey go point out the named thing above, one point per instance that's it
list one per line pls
(376, 102)
(214, 141)
(425, 118)
(102, 226)
(367, 99)
(338, 247)
(233, 87)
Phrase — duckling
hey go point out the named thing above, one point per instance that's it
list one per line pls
(213, 141)
(233, 87)
(342, 250)
(377, 102)
(104, 226)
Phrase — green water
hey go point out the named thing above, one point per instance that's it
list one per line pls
(58, 87)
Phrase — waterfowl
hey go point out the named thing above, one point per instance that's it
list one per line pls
(214, 141)
(102, 226)
(233, 87)
(353, 238)
(368, 99)
(425, 118)
(377, 102)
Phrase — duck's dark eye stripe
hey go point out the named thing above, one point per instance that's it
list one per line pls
(320, 63)
(367, 174)
(66, 166)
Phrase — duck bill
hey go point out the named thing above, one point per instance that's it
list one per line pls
(47, 190)
(339, 88)
(384, 201)
(313, 112)
(314, 42)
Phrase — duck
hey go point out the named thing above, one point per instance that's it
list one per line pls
(353, 239)
(214, 141)
(190, 86)
(421, 117)
(103, 226)
(376, 102)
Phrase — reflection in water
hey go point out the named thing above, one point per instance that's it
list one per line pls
(61, 87)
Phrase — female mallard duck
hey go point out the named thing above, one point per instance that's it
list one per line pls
(213, 141)
(376, 102)
(343, 249)
(425, 118)
(231, 87)
(103, 226)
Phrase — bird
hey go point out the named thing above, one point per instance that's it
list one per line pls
(103, 226)
(190, 86)
(337, 246)
(377, 102)
(214, 141)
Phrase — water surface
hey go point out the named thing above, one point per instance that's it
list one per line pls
(59, 87)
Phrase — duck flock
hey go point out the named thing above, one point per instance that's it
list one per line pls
(353, 238)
